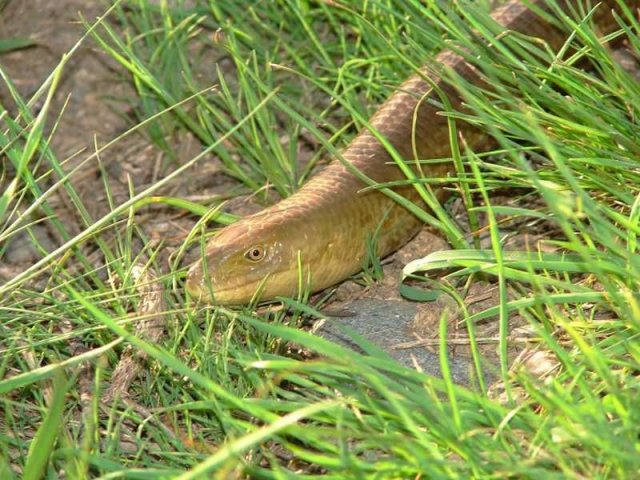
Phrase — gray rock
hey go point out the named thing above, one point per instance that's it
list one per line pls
(21, 248)
(389, 325)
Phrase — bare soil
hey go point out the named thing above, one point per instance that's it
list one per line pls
(91, 107)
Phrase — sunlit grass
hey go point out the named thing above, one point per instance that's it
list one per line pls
(236, 392)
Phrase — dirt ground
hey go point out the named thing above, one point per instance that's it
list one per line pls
(85, 114)
(92, 106)
(89, 77)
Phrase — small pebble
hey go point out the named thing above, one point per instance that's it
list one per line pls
(21, 248)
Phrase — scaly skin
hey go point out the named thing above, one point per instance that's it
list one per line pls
(321, 231)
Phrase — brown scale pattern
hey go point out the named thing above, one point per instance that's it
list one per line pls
(331, 212)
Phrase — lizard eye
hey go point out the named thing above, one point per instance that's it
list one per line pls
(255, 254)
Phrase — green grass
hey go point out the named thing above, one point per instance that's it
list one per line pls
(231, 392)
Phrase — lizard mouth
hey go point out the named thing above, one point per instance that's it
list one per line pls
(195, 284)
(200, 290)
(194, 288)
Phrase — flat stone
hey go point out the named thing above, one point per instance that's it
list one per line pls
(388, 324)
(21, 248)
